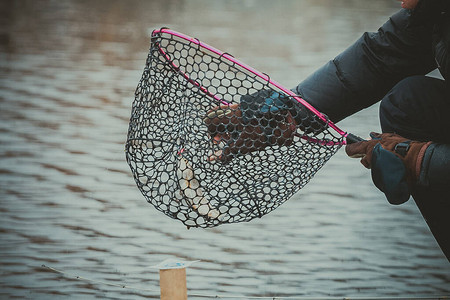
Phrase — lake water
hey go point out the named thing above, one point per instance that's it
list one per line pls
(68, 71)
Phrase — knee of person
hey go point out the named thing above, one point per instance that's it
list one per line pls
(395, 107)
(412, 91)
(411, 104)
(406, 89)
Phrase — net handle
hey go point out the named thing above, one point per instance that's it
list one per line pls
(349, 138)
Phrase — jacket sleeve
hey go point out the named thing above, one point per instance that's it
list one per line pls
(362, 74)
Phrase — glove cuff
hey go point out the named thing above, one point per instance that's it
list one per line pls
(412, 153)
(423, 163)
(420, 159)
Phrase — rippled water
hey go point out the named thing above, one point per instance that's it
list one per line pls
(68, 70)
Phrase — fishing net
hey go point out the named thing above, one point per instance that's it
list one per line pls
(213, 141)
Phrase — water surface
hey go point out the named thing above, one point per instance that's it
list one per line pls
(68, 70)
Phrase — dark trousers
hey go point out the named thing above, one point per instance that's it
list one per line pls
(418, 108)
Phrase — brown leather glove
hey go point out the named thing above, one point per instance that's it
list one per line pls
(410, 152)
(395, 163)
(225, 125)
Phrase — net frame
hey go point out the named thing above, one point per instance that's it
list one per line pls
(167, 142)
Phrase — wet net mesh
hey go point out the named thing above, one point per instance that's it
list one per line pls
(211, 142)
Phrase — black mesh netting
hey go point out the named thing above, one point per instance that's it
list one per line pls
(211, 142)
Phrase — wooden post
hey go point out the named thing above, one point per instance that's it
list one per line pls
(173, 284)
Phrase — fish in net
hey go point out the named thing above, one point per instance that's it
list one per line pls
(214, 141)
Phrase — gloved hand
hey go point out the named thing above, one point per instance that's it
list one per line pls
(395, 163)
(226, 124)
(266, 103)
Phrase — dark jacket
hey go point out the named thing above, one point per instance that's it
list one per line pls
(409, 43)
